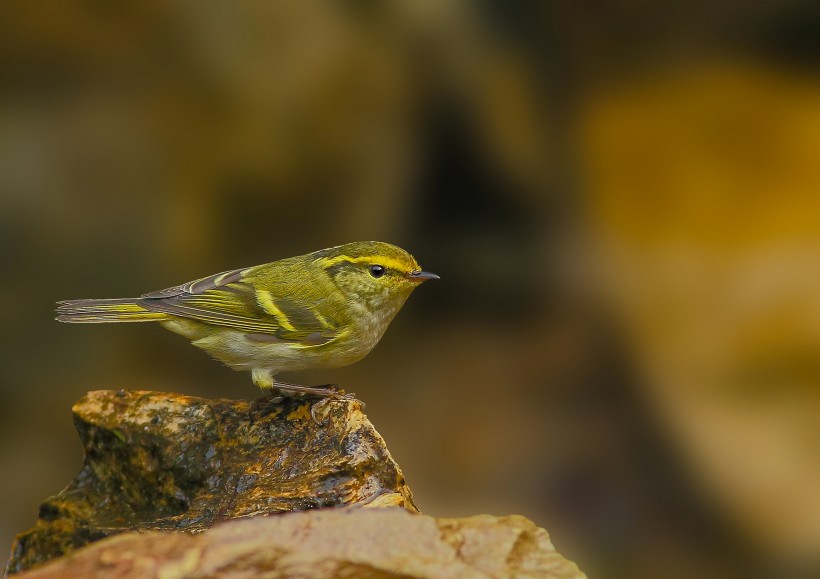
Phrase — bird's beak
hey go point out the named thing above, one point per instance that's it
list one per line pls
(421, 276)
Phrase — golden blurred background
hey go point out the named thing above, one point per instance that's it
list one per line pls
(622, 199)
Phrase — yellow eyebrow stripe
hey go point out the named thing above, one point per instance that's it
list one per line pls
(267, 303)
(388, 262)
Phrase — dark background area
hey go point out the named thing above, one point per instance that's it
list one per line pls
(620, 198)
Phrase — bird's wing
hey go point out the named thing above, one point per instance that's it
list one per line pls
(200, 285)
(230, 299)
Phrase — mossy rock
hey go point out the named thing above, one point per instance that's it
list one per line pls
(157, 461)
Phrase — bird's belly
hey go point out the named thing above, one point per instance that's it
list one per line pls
(234, 349)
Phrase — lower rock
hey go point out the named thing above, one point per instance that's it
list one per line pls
(373, 543)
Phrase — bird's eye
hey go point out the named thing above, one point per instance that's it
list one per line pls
(377, 270)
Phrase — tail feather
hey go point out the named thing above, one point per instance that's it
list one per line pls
(102, 311)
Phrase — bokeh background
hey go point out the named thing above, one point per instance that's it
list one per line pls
(621, 197)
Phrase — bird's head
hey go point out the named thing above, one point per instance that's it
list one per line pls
(377, 274)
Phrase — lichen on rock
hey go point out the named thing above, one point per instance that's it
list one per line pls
(157, 461)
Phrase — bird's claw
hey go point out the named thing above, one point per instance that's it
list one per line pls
(334, 391)
(327, 393)
(313, 413)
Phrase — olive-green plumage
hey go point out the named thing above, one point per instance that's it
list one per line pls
(321, 310)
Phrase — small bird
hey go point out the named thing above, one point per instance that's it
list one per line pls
(322, 310)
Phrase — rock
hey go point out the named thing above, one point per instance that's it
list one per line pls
(375, 543)
(156, 461)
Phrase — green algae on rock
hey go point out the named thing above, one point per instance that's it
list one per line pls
(158, 461)
(328, 543)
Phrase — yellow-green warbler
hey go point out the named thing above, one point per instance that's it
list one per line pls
(321, 310)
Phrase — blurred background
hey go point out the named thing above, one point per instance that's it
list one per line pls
(621, 198)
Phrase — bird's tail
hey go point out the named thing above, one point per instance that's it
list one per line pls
(102, 311)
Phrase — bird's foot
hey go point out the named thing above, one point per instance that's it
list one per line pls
(324, 393)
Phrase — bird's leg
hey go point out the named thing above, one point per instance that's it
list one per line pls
(330, 391)
(265, 380)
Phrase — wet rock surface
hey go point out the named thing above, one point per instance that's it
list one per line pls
(327, 543)
(158, 461)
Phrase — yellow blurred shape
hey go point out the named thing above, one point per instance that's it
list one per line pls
(721, 154)
(703, 200)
